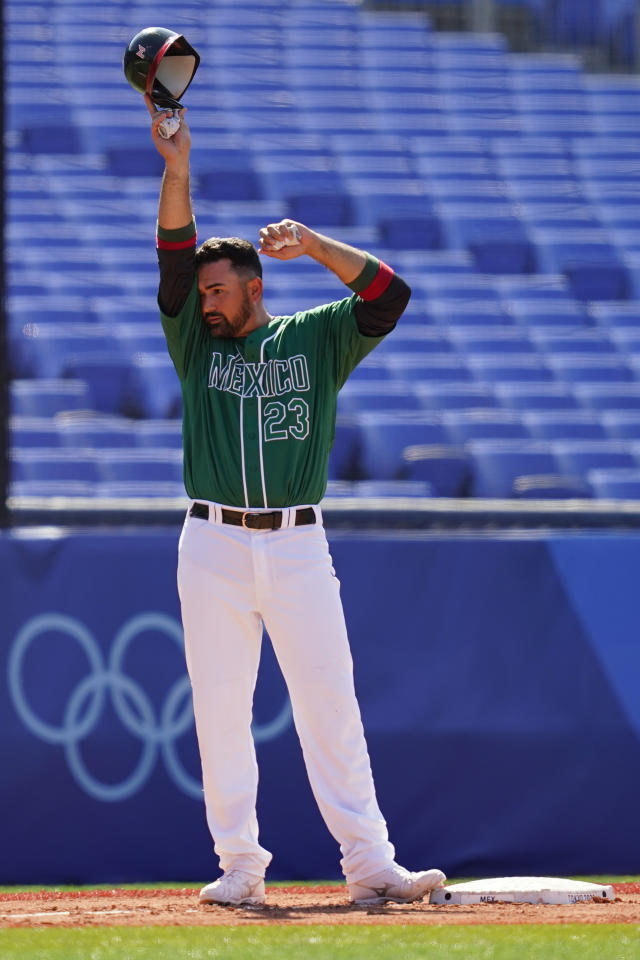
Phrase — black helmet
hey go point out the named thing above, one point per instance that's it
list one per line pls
(161, 63)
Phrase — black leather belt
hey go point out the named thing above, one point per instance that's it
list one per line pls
(254, 521)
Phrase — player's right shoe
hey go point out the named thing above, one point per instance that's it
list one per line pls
(395, 885)
(235, 888)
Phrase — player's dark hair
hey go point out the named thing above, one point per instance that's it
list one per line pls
(242, 254)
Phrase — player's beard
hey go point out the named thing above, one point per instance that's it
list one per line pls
(229, 327)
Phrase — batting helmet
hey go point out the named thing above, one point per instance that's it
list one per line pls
(161, 63)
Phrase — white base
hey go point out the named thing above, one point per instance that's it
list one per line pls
(521, 890)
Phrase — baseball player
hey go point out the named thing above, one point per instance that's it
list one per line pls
(259, 404)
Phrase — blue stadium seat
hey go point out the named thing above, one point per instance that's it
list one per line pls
(536, 396)
(504, 367)
(44, 349)
(560, 213)
(152, 388)
(132, 339)
(445, 467)
(374, 165)
(383, 489)
(46, 463)
(585, 368)
(565, 424)
(46, 489)
(420, 367)
(499, 245)
(126, 489)
(551, 487)
(312, 193)
(497, 464)
(616, 314)
(441, 396)
(400, 209)
(344, 459)
(621, 424)
(590, 262)
(44, 398)
(570, 23)
(604, 147)
(454, 174)
(238, 181)
(358, 395)
(529, 147)
(534, 287)
(158, 433)
(373, 367)
(33, 432)
(51, 138)
(418, 338)
(150, 464)
(454, 148)
(137, 160)
(476, 423)
(491, 339)
(573, 340)
(577, 457)
(455, 311)
(106, 375)
(94, 430)
(384, 436)
(615, 483)
(608, 396)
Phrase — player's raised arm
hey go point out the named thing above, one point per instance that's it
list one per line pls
(174, 208)
(383, 295)
(176, 230)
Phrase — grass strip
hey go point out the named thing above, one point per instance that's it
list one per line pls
(570, 942)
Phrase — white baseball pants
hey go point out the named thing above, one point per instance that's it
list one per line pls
(230, 581)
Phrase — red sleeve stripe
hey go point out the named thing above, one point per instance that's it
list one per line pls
(379, 283)
(175, 244)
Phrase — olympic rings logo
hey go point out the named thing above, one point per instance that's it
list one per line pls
(158, 734)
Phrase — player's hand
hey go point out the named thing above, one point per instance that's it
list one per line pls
(177, 147)
(285, 240)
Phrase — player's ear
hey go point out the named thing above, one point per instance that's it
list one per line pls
(254, 287)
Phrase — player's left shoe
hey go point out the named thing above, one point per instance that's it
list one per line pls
(235, 888)
(395, 885)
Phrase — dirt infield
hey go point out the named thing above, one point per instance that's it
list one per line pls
(288, 906)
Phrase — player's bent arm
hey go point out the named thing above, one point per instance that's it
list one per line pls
(289, 239)
(382, 294)
(346, 262)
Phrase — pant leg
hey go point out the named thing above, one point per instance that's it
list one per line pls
(223, 635)
(302, 610)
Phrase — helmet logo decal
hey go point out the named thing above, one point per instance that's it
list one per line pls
(141, 51)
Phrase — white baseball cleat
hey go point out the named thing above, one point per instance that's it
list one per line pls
(235, 888)
(395, 885)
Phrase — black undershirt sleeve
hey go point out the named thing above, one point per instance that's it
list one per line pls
(376, 318)
(177, 272)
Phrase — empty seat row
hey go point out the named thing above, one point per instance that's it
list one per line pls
(479, 466)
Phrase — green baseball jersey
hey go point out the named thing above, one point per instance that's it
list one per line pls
(259, 412)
